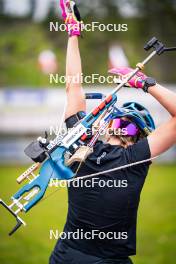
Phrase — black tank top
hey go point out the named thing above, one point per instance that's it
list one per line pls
(107, 210)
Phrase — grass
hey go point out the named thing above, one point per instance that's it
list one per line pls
(156, 223)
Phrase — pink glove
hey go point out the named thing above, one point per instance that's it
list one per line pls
(137, 81)
(63, 8)
(71, 17)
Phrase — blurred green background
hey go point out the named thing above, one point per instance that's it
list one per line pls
(22, 39)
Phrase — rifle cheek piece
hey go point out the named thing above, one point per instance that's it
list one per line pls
(36, 152)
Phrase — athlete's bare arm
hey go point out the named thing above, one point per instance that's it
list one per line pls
(75, 95)
(164, 136)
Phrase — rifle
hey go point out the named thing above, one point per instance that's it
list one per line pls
(49, 156)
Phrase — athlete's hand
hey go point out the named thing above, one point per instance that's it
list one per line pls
(137, 81)
(71, 17)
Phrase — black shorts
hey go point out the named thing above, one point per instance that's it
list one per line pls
(64, 254)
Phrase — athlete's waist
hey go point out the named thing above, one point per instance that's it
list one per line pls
(106, 243)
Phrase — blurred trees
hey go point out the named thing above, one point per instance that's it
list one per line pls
(32, 7)
(160, 20)
(160, 16)
(145, 18)
(1, 7)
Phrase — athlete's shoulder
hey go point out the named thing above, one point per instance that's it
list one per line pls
(139, 151)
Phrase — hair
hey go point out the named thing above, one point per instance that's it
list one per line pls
(125, 141)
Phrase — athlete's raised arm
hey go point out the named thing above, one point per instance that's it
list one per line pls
(75, 95)
(164, 136)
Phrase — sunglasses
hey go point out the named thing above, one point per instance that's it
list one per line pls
(118, 123)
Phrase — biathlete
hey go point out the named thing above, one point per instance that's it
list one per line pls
(104, 219)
